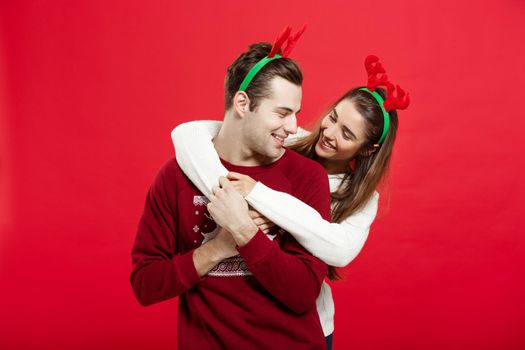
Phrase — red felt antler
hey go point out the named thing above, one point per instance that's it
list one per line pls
(376, 73)
(377, 77)
(281, 39)
(292, 40)
(401, 101)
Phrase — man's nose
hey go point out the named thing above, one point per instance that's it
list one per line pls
(290, 124)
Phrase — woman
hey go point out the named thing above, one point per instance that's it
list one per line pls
(353, 142)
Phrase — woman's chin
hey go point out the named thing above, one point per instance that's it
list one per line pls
(320, 152)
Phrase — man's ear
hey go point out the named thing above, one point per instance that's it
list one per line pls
(241, 103)
(367, 152)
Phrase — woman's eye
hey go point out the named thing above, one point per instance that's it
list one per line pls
(332, 118)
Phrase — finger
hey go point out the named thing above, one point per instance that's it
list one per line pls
(264, 227)
(213, 198)
(258, 221)
(267, 221)
(254, 214)
(237, 185)
(224, 182)
(265, 231)
(264, 217)
(232, 175)
(263, 223)
(215, 189)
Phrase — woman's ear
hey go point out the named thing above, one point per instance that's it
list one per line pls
(241, 103)
(367, 152)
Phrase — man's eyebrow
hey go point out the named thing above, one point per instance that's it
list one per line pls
(288, 109)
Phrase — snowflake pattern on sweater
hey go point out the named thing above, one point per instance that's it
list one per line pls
(208, 228)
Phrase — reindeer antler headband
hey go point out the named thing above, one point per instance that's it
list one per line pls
(284, 37)
(377, 77)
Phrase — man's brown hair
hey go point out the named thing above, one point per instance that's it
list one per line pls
(259, 87)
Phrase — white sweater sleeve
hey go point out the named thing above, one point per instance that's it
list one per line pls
(294, 137)
(334, 243)
(196, 154)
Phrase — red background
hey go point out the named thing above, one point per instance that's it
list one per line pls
(90, 90)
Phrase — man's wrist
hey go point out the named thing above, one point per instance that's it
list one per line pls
(214, 254)
(243, 233)
(206, 257)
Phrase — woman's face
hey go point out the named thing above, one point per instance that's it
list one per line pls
(342, 133)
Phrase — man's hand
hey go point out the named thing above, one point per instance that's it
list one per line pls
(225, 244)
(229, 210)
(209, 254)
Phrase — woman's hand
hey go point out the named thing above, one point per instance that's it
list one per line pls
(242, 183)
(261, 221)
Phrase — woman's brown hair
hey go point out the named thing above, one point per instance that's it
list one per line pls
(362, 178)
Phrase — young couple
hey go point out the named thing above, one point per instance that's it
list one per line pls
(243, 229)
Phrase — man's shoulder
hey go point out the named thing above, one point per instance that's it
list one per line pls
(171, 179)
(298, 163)
(309, 182)
(170, 172)
(170, 167)
(304, 173)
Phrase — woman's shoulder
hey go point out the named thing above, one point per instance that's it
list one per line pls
(372, 203)
(298, 135)
(302, 132)
(337, 179)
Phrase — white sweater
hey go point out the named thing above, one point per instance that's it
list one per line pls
(334, 243)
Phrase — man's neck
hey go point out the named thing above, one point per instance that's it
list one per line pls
(230, 147)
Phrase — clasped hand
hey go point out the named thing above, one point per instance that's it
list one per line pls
(230, 210)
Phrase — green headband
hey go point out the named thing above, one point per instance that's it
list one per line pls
(255, 69)
(386, 124)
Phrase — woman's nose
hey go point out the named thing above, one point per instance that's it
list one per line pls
(329, 132)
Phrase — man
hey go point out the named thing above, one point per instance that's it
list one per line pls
(239, 288)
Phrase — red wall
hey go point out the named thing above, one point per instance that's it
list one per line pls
(89, 92)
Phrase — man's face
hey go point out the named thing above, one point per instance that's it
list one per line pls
(266, 128)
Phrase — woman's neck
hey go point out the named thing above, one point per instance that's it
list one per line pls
(334, 167)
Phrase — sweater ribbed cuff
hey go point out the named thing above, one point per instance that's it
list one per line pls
(186, 270)
(257, 249)
(256, 191)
